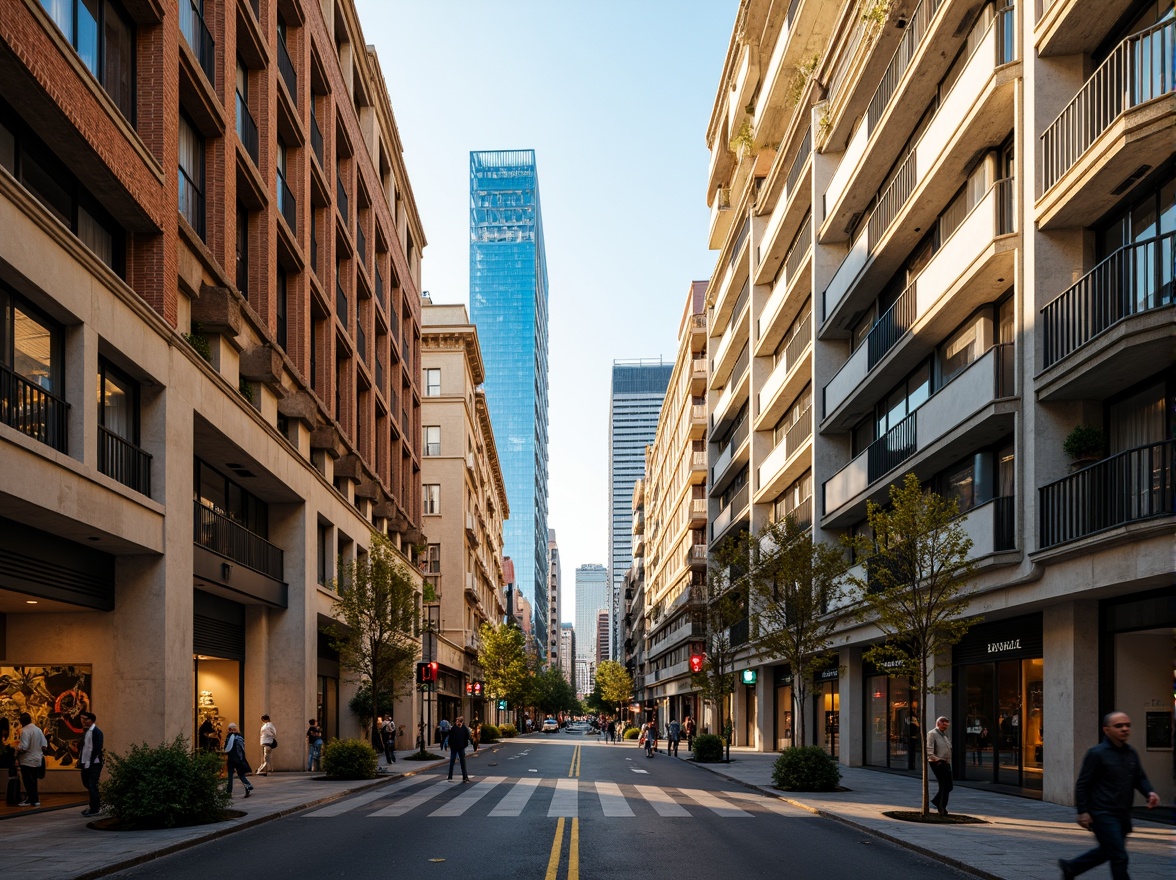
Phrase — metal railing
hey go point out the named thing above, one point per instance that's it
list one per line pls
(1006, 206)
(799, 341)
(916, 29)
(892, 326)
(799, 248)
(286, 204)
(246, 128)
(341, 197)
(197, 35)
(340, 303)
(286, 67)
(122, 460)
(891, 449)
(1004, 523)
(32, 410)
(806, 147)
(740, 239)
(802, 514)
(1140, 68)
(798, 432)
(316, 140)
(891, 201)
(1006, 365)
(191, 202)
(1134, 279)
(216, 532)
(1134, 485)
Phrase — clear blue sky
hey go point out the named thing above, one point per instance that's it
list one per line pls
(614, 96)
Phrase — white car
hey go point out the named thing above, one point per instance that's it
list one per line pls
(550, 725)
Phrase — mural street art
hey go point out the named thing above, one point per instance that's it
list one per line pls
(54, 696)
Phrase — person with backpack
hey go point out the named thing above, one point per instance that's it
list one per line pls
(235, 759)
(673, 737)
(388, 738)
(444, 728)
(30, 754)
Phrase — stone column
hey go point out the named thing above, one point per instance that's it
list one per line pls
(851, 685)
(1071, 725)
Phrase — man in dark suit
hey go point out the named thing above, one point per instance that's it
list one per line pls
(90, 761)
(459, 739)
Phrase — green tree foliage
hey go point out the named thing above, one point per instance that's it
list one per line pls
(914, 590)
(614, 683)
(550, 693)
(504, 662)
(376, 622)
(164, 786)
(793, 583)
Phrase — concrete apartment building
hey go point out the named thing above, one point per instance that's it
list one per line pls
(567, 652)
(944, 236)
(554, 580)
(674, 501)
(633, 599)
(465, 506)
(209, 275)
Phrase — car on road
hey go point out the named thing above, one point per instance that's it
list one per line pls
(550, 725)
(582, 728)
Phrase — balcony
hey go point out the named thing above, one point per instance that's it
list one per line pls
(733, 396)
(732, 341)
(1118, 126)
(787, 378)
(977, 111)
(698, 468)
(695, 557)
(198, 37)
(246, 128)
(1133, 486)
(1075, 27)
(286, 67)
(639, 523)
(225, 537)
(1106, 330)
(123, 461)
(697, 513)
(471, 582)
(286, 204)
(471, 526)
(787, 214)
(697, 420)
(316, 141)
(970, 268)
(697, 332)
(991, 526)
(733, 279)
(720, 217)
(785, 463)
(959, 417)
(32, 410)
(790, 294)
(733, 453)
(698, 374)
(734, 513)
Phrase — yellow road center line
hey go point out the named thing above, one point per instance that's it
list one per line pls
(574, 851)
(556, 848)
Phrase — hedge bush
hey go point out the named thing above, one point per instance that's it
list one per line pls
(350, 759)
(632, 733)
(487, 733)
(164, 786)
(708, 747)
(806, 768)
(506, 731)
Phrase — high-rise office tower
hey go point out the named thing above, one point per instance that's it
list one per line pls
(638, 387)
(508, 303)
(592, 597)
(567, 652)
(554, 577)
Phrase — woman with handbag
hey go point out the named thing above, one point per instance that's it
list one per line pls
(235, 759)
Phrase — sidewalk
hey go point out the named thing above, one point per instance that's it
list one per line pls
(56, 844)
(1023, 840)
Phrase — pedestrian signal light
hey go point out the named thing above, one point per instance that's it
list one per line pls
(422, 672)
(433, 676)
(502, 705)
(477, 688)
(696, 661)
(749, 676)
(469, 688)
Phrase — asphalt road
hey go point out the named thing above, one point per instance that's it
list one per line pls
(559, 807)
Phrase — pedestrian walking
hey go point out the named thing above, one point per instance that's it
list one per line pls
(1111, 774)
(688, 724)
(235, 759)
(388, 738)
(8, 762)
(30, 755)
(314, 746)
(445, 728)
(650, 739)
(269, 742)
(475, 733)
(673, 737)
(939, 757)
(90, 762)
(611, 729)
(459, 740)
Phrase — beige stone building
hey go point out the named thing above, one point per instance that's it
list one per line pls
(209, 280)
(945, 234)
(465, 507)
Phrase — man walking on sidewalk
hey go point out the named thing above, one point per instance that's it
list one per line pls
(459, 738)
(939, 757)
(673, 737)
(90, 762)
(1111, 773)
(269, 742)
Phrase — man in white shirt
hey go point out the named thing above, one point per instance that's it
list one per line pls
(30, 752)
(939, 757)
(269, 741)
(90, 761)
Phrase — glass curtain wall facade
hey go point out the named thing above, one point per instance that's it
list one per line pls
(638, 389)
(508, 303)
(592, 597)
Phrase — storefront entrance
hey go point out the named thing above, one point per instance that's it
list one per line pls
(892, 721)
(218, 673)
(783, 683)
(827, 712)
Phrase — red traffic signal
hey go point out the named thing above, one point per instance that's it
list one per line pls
(477, 688)
(426, 673)
(696, 661)
(469, 688)
(433, 676)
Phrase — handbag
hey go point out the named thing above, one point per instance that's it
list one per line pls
(274, 744)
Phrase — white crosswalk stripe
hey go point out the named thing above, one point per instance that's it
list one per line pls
(517, 798)
(661, 801)
(716, 804)
(464, 801)
(768, 803)
(400, 807)
(612, 802)
(348, 804)
(566, 801)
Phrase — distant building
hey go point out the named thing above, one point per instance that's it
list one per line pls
(554, 577)
(585, 677)
(567, 652)
(592, 597)
(602, 630)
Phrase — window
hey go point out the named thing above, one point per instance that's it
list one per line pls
(323, 544)
(286, 204)
(431, 493)
(964, 347)
(246, 127)
(432, 381)
(105, 40)
(31, 393)
(242, 250)
(432, 439)
(191, 181)
(226, 497)
(119, 455)
(282, 306)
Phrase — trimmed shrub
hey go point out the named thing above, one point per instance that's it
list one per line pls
(806, 768)
(632, 733)
(164, 786)
(487, 733)
(708, 747)
(506, 731)
(350, 759)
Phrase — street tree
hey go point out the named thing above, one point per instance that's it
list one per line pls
(550, 693)
(503, 659)
(720, 603)
(376, 622)
(615, 684)
(794, 581)
(917, 575)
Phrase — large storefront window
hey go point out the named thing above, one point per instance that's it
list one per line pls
(892, 716)
(784, 730)
(826, 727)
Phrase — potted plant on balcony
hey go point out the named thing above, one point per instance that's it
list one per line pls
(1084, 445)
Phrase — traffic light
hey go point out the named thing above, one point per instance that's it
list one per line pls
(477, 688)
(749, 676)
(426, 673)
(502, 705)
(696, 661)
(433, 672)
(469, 688)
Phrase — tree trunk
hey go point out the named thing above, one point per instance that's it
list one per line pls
(923, 740)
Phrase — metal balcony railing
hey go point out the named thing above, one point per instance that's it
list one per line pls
(216, 532)
(32, 410)
(892, 199)
(286, 204)
(799, 341)
(739, 241)
(1004, 522)
(197, 35)
(892, 326)
(891, 449)
(1140, 69)
(191, 202)
(286, 67)
(806, 147)
(802, 514)
(124, 461)
(1134, 279)
(916, 29)
(246, 128)
(799, 248)
(1131, 486)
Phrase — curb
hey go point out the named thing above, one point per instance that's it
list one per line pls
(857, 826)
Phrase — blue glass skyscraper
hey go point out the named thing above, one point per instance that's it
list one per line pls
(508, 303)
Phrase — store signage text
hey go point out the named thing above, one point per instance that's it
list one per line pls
(997, 647)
